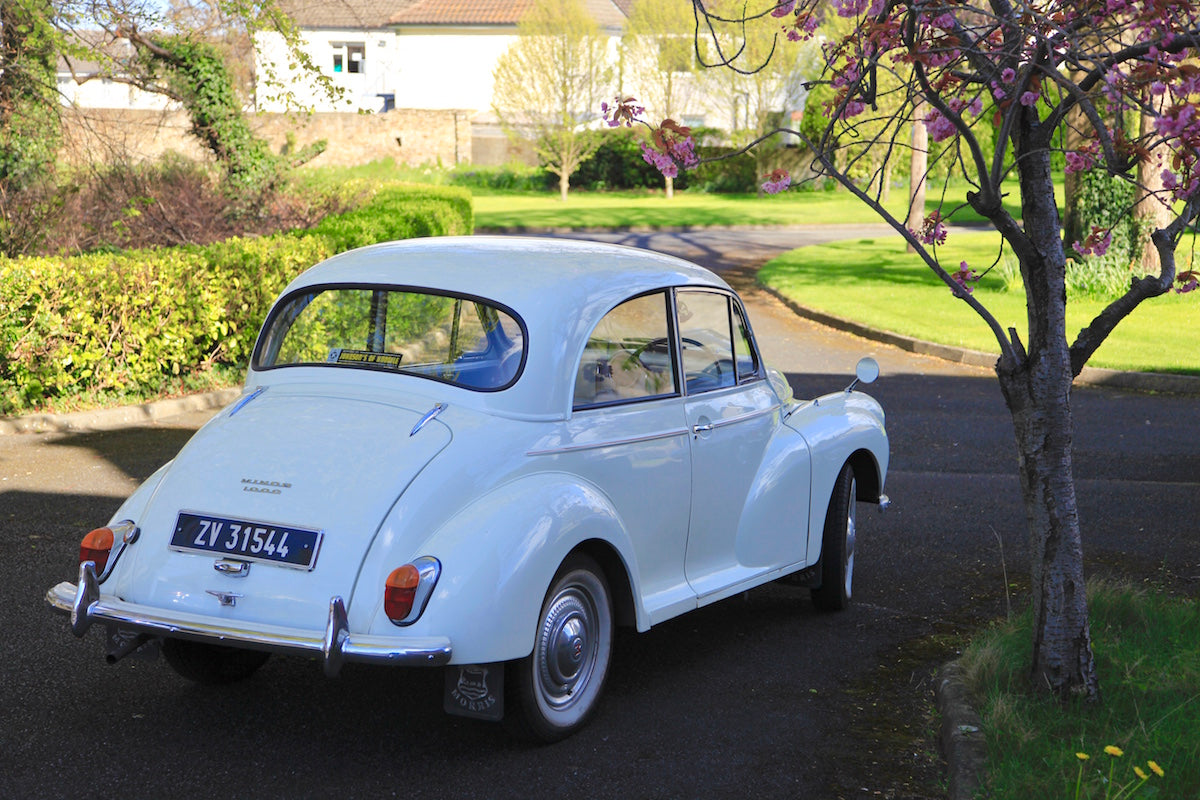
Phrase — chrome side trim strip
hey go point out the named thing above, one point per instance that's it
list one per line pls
(721, 423)
(428, 651)
(572, 448)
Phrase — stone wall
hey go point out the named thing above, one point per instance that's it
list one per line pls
(410, 136)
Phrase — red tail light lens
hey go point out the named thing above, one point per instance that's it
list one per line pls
(97, 546)
(400, 591)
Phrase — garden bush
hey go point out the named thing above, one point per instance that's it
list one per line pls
(131, 321)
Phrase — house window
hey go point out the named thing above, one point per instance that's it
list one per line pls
(349, 57)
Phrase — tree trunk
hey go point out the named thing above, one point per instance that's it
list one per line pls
(670, 187)
(564, 184)
(1038, 394)
(917, 165)
(1041, 412)
(1151, 212)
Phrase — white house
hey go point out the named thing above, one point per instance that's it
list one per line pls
(427, 54)
(86, 84)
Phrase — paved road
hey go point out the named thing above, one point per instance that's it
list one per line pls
(758, 696)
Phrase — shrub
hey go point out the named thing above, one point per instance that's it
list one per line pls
(131, 321)
(618, 164)
(509, 178)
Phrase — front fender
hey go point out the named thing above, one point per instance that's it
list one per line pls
(841, 427)
(498, 556)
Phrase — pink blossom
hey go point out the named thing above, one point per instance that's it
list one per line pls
(997, 92)
(940, 128)
(624, 111)
(944, 21)
(1030, 99)
(1096, 243)
(964, 276)
(1081, 159)
(784, 8)
(660, 161)
(1188, 281)
(853, 109)
(778, 181)
(849, 8)
(933, 231)
(1008, 75)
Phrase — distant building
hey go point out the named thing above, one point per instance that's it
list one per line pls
(428, 54)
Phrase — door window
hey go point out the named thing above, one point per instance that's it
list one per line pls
(628, 355)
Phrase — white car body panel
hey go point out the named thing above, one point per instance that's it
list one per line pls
(689, 498)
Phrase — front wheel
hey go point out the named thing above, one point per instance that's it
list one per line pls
(557, 687)
(837, 545)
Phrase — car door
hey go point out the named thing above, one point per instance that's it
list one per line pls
(627, 436)
(750, 473)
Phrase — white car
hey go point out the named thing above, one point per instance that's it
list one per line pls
(484, 454)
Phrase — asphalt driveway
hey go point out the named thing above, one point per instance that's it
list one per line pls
(756, 696)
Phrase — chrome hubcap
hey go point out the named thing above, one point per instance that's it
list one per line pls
(567, 647)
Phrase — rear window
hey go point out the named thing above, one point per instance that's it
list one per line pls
(465, 341)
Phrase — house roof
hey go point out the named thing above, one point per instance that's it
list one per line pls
(368, 14)
(358, 14)
(496, 12)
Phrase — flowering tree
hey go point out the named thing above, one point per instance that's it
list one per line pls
(999, 82)
(548, 84)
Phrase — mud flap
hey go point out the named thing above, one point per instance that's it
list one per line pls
(475, 690)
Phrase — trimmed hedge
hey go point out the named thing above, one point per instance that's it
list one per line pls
(133, 320)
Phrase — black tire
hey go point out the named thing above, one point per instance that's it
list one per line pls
(555, 690)
(837, 545)
(212, 664)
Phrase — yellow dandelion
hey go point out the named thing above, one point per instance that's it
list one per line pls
(1156, 769)
(1114, 751)
(1084, 757)
(1140, 773)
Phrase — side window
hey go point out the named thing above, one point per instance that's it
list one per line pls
(628, 355)
(706, 339)
(743, 347)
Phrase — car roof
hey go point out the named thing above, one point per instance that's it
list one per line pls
(559, 287)
(574, 271)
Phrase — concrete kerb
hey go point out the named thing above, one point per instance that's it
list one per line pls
(964, 745)
(122, 417)
(1093, 376)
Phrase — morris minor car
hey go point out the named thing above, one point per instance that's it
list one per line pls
(483, 455)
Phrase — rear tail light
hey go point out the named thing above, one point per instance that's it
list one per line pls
(400, 592)
(96, 547)
(407, 589)
(103, 546)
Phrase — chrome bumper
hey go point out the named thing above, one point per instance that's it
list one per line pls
(335, 645)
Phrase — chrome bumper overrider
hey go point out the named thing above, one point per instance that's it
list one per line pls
(335, 645)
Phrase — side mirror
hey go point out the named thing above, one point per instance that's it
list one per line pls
(866, 371)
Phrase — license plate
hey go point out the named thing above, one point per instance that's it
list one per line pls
(285, 545)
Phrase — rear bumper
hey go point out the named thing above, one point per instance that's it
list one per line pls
(334, 645)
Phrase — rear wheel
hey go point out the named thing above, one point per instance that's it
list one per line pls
(556, 688)
(212, 664)
(837, 545)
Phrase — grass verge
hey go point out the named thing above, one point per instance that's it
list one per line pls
(877, 283)
(1148, 658)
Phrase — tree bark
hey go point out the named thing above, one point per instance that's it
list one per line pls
(1038, 394)
(1151, 212)
(917, 166)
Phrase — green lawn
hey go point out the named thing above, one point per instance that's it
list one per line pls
(688, 209)
(1148, 660)
(875, 282)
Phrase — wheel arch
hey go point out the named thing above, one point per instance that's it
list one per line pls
(616, 573)
(867, 474)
